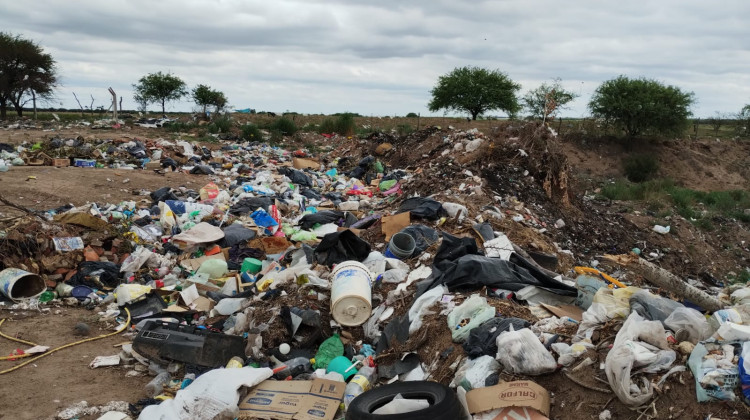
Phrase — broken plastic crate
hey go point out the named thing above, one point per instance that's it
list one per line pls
(168, 341)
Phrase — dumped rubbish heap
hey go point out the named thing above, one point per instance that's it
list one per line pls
(333, 286)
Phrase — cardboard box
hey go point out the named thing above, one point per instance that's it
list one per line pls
(300, 163)
(394, 224)
(318, 399)
(153, 165)
(57, 162)
(522, 400)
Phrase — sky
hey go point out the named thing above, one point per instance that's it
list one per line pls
(383, 57)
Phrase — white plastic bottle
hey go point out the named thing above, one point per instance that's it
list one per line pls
(360, 383)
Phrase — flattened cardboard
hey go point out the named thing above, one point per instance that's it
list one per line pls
(301, 163)
(509, 394)
(391, 225)
(318, 399)
(195, 263)
(561, 311)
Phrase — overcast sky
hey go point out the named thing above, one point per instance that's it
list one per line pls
(383, 57)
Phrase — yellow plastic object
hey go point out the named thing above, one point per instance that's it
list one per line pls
(604, 276)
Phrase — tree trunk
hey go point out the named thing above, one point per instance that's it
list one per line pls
(3, 110)
(474, 115)
(666, 280)
(163, 112)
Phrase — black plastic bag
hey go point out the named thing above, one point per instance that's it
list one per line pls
(472, 272)
(162, 194)
(483, 339)
(322, 217)
(422, 207)
(454, 247)
(202, 170)
(341, 246)
(297, 177)
(96, 274)
(248, 205)
(235, 234)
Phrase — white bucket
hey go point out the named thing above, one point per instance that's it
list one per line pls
(351, 294)
(19, 284)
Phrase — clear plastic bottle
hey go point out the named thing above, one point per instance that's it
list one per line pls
(294, 367)
(360, 383)
(156, 386)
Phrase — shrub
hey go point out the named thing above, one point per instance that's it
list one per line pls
(250, 132)
(345, 125)
(220, 125)
(327, 126)
(412, 115)
(404, 129)
(640, 168)
(277, 137)
(285, 126)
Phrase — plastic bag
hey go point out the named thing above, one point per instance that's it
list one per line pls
(209, 191)
(570, 353)
(521, 352)
(690, 320)
(744, 369)
(716, 376)
(627, 353)
(476, 373)
(730, 331)
(212, 395)
(476, 310)
(651, 306)
(421, 307)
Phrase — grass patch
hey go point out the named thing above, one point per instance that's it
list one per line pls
(284, 125)
(179, 127)
(697, 206)
(640, 168)
(219, 125)
(251, 132)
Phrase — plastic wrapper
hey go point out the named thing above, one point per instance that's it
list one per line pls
(690, 320)
(476, 373)
(716, 375)
(521, 352)
(476, 310)
(420, 308)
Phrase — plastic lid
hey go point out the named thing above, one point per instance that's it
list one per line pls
(351, 311)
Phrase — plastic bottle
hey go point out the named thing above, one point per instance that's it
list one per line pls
(294, 367)
(156, 386)
(360, 383)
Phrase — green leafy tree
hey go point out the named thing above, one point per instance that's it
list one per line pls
(545, 101)
(743, 121)
(204, 96)
(642, 106)
(26, 72)
(475, 90)
(159, 88)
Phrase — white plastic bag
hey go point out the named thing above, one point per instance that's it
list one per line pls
(211, 395)
(476, 310)
(628, 353)
(521, 352)
(399, 405)
(421, 307)
(690, 320)
(474, 372)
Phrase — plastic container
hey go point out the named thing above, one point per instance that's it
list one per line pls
(587, 287)
(294, 367)
(156, 386)
(401, 246)
(253, 265)
(351, 294)
(360, 383)
(342, 365)
(18, 284)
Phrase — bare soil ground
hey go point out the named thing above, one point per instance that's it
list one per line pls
(39, 390)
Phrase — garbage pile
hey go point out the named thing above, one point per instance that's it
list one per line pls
(291, 286)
